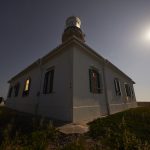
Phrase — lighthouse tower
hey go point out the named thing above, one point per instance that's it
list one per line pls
(72, 28)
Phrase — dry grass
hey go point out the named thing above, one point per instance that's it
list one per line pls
(128, 130)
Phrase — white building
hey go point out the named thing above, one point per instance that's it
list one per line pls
(72, 82)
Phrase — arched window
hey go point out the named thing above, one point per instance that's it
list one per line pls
(94, 77)
(27, 87)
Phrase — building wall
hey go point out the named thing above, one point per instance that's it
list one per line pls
(71, 99)
(86, 105)
(56, 105)
(25, 103)
(118, 103)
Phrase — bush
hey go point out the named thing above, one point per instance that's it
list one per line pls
(25, 131)
(129, 130)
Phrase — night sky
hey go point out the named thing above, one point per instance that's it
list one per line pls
(117, 29)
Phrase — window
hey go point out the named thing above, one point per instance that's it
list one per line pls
(26, 87)
(10, 92)
(117, 87)
(48, 81)
(94, 78)
(128, 90)
(16, 89)
(132, 92)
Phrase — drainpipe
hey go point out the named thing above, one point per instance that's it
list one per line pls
(39, 92)
(105, 90)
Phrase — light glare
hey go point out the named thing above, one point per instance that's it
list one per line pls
(147, 35)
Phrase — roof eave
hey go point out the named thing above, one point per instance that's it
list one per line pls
(71, 40)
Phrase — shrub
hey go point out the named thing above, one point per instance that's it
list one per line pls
(127, 130)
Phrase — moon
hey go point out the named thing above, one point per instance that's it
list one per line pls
(147, 35)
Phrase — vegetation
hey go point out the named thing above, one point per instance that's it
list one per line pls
(23, 131)
(128, 130)
(125, 130)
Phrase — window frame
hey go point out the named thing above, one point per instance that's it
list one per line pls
(132, 91)
(128, 90)
(26, 92)
(16, 89)
(117, 87)
(95, 89)
(48, 84)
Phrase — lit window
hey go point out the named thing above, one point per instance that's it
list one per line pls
(48, 81)
(117, 87)
(16, 89)
(94, 78)
(27, 87)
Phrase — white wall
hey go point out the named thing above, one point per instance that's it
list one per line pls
(86, 105)
(56, 105)
(25, 103)
(71, 99)
(118, 103)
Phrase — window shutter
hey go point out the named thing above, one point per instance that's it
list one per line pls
(51, 80)
(115, 83)
(48, 82)
(90, 82)
(16, 89)
(44, 86)
(29, 85)
(129, 90)
(45, 82)
(98, 80)
(132, 92)
(117, 86)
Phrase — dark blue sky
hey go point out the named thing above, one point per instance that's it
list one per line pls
(116, 29)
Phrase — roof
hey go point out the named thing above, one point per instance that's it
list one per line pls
(72, 40)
